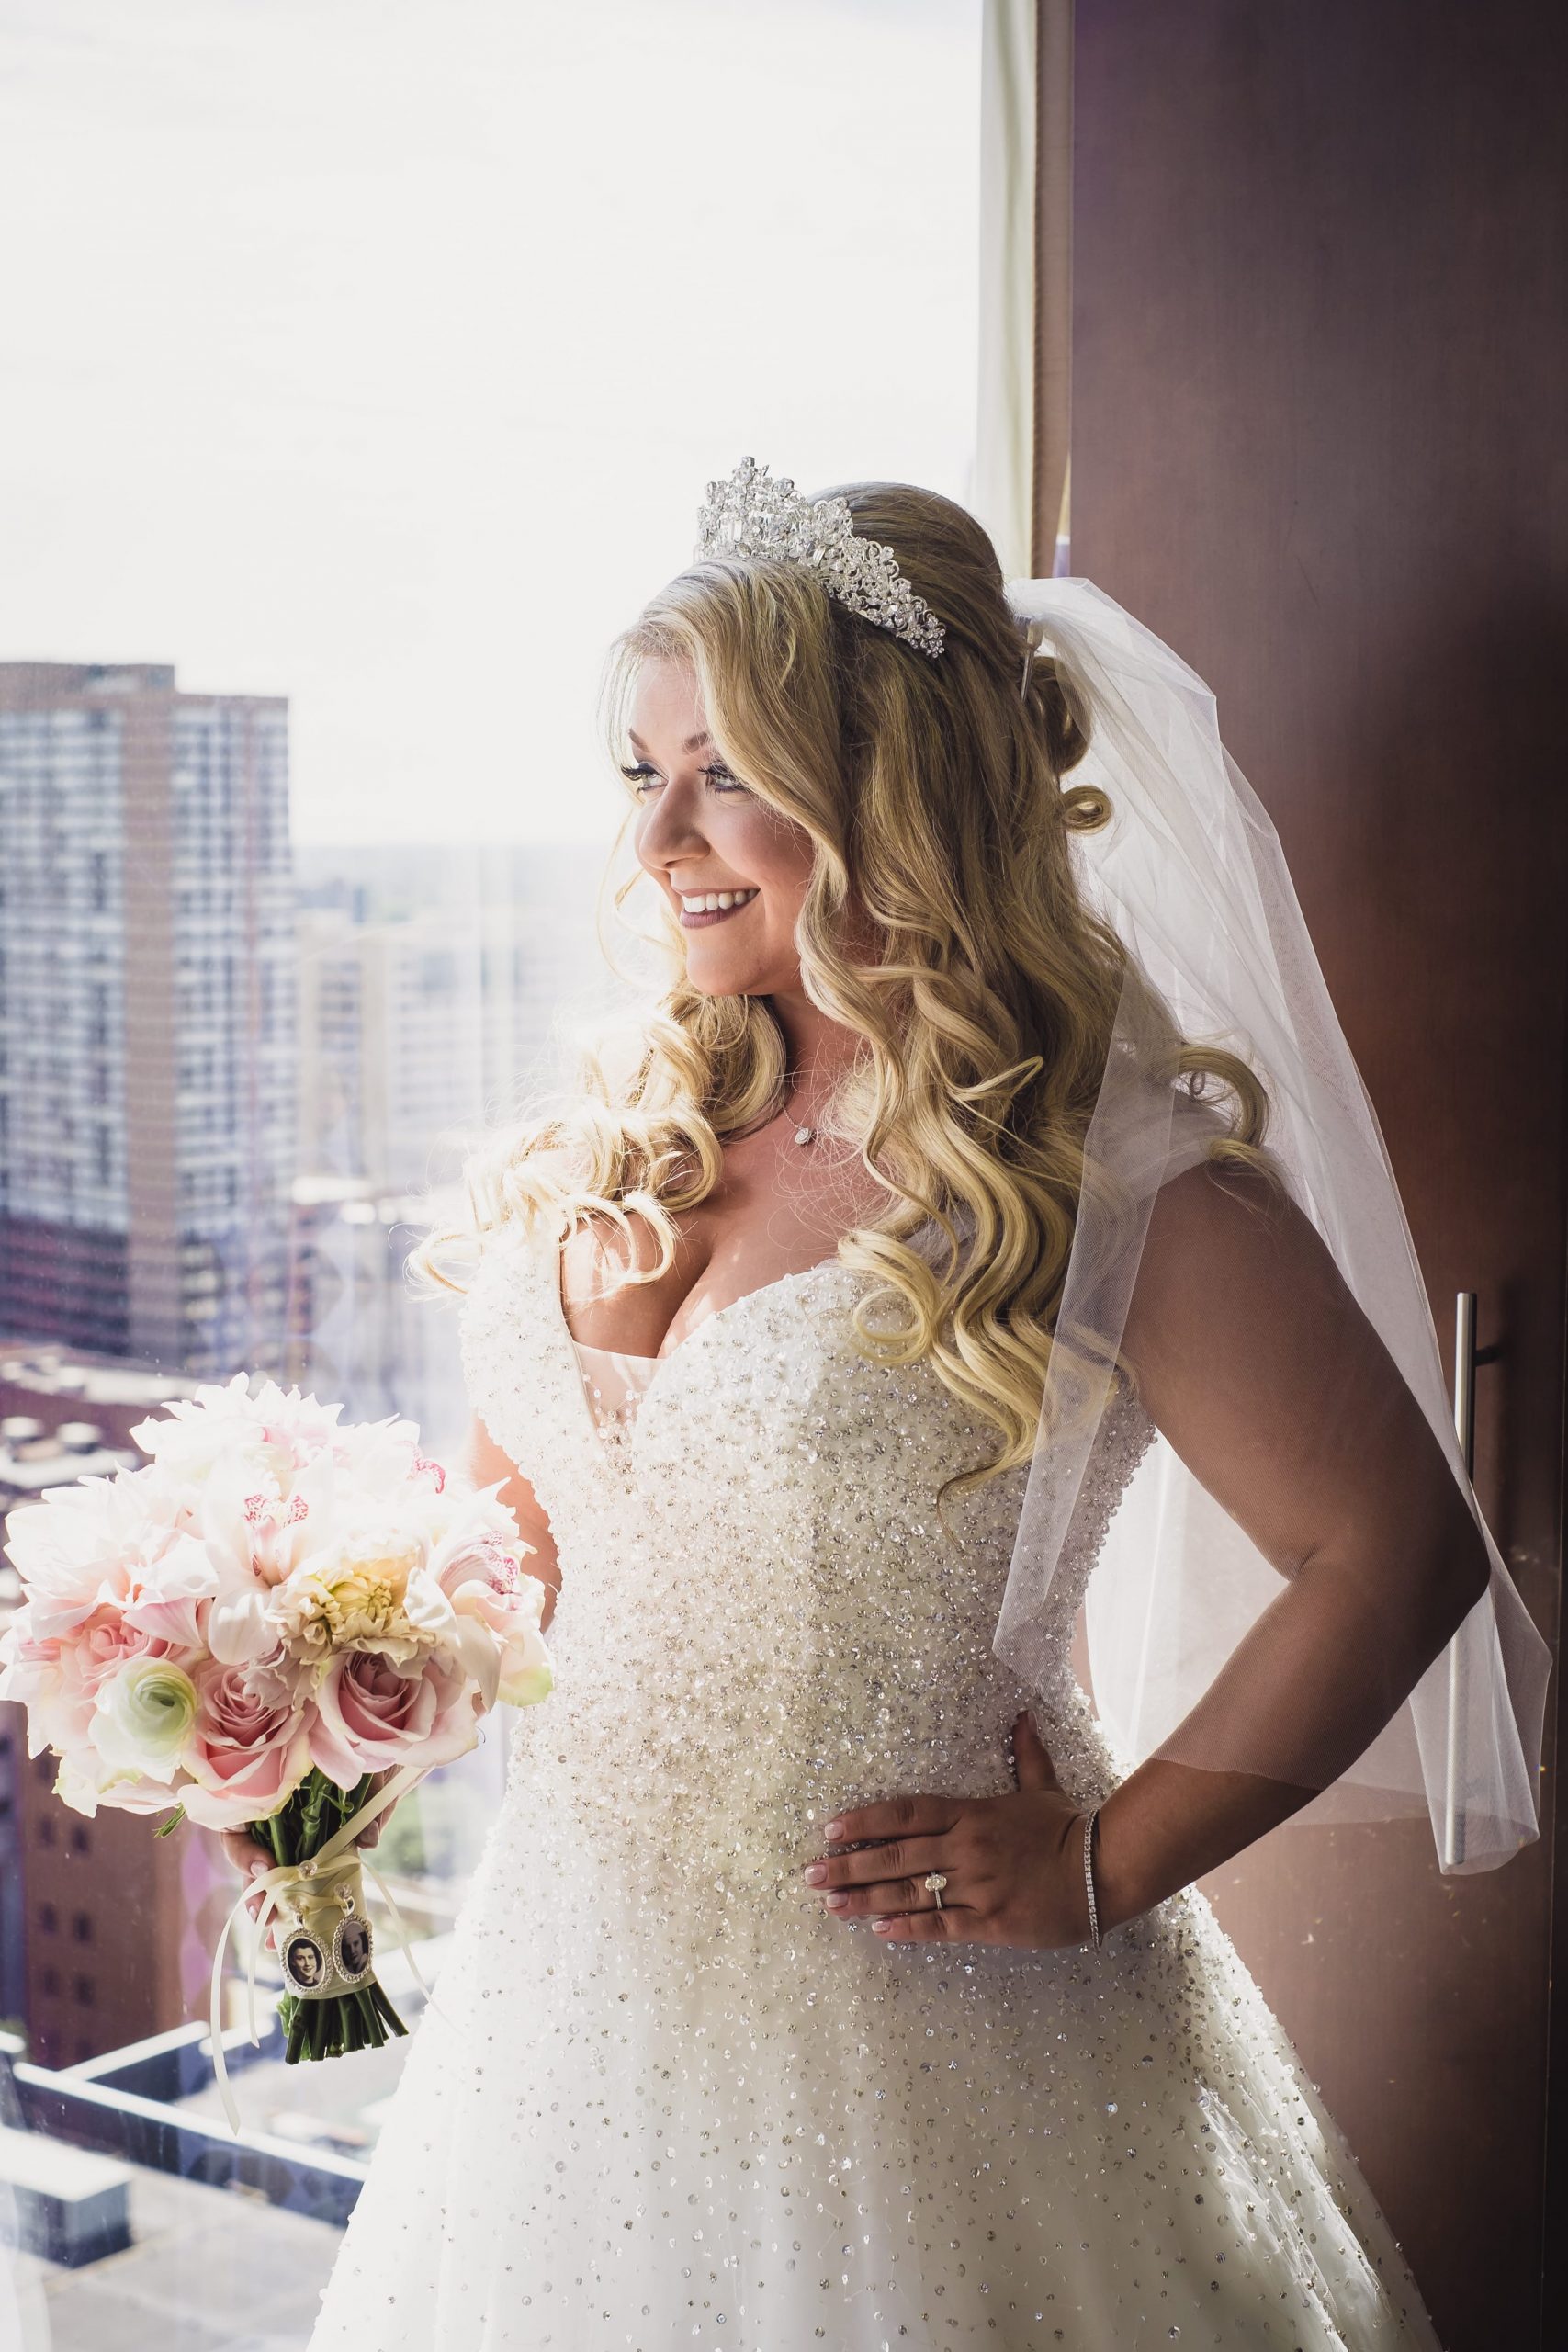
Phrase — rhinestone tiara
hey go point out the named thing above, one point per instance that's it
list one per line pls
(750, 514)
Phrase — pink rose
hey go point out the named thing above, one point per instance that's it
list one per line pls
(372, 1714)
(248, 1749)
(57, 1680)
(108, 1640)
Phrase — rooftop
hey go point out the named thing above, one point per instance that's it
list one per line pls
(207, 2271)
(52, 1371)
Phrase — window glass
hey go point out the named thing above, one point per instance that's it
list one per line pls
(364, 371)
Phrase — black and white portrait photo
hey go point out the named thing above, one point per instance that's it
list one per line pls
(353, 1946)
(304, 1963)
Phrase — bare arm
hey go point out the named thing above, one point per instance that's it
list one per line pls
(1258, 1366)
(1260, 1369)
(484, 1462)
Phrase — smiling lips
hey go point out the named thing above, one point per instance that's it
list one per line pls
(699, 908)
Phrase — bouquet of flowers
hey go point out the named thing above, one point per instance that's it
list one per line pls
(277, 1625)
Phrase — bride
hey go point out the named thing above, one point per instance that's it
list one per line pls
(830, 1976)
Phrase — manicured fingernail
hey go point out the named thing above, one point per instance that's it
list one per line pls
(815, 1873)
(880, 1926)
(837, 1902)
(833, 1832)
(257, 1867)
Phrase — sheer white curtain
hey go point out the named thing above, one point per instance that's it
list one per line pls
(1026, 105)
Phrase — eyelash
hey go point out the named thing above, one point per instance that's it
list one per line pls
(721, 776)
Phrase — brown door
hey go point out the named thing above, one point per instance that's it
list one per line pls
(1318, 444)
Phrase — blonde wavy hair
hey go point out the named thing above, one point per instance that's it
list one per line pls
(933, 794)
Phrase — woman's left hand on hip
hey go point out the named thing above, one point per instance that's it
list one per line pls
(1011, 1866)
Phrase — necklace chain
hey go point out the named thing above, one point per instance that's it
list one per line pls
(806, 1129)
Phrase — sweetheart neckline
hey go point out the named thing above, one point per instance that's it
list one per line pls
(717, 1315)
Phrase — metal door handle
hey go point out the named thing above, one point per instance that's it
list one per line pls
(1467, 1355)
(1464, 1376)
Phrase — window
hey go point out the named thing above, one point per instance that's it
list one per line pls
(158, 927)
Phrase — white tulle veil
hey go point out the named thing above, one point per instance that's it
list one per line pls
(1190, 875)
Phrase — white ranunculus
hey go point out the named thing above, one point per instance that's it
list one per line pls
(143, 1718)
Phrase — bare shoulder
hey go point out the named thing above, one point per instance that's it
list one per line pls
(605, 1304)
(1226, 1230)
(599, 1253)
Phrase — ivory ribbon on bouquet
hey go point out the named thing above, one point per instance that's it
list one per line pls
(291, 1887)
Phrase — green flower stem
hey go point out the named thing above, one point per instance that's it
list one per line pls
(388, 2013)
(363, 2018)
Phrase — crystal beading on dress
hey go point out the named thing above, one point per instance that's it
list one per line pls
(662, 2099)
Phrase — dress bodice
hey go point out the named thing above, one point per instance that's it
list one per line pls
(764, 1607)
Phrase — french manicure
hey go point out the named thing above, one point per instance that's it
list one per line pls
(815, 1873)
(833, 1832)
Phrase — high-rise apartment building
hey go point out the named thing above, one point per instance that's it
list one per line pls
(433, 985)
(147, 1015)
(393, 1022)
(439, 988)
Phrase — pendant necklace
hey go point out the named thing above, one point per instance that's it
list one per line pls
(806, 1133)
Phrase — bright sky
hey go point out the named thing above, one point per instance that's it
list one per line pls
(377, 351)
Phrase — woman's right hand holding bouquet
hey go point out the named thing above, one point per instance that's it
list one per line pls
(250, 1851)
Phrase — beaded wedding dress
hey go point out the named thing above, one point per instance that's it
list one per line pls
(661, 2098)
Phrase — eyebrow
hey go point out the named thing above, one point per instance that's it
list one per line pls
(692, 743)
